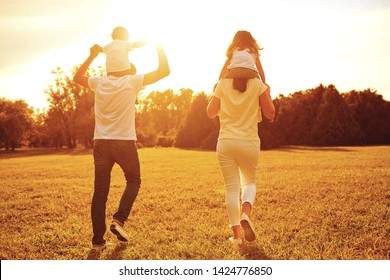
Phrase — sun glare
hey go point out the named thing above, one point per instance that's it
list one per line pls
(343, 48)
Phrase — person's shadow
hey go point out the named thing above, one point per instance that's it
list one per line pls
(93, 255)
(252, 252)
(115, 254)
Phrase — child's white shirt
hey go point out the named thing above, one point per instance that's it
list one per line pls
(117, 55)
(243, 58)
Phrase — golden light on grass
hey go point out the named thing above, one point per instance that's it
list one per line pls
(312, 203)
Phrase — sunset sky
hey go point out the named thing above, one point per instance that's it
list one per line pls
(340, 42)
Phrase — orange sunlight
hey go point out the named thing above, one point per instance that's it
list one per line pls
(191, 50)
(316, 43)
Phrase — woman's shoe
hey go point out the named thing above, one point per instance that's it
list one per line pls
(246, 224)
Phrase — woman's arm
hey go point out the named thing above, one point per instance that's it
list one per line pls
(213, 107)
(266, 105)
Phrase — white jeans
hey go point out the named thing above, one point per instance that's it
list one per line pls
(238, 161)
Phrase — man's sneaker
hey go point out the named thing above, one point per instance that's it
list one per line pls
(116, 228)
(247, 227)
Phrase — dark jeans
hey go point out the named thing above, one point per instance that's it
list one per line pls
(106, 153)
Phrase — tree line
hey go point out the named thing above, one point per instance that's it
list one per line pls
(315, 117)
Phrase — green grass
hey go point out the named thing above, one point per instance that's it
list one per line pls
(312, 203)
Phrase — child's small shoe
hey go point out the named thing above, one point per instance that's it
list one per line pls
(235, 241)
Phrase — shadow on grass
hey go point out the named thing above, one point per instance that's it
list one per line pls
(116, 254)
(109, 253)
(314, 148)
(93, 255)
(252, 251)
(30, 152)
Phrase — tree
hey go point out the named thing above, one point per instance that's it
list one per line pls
(39, 135)
(62, 110)
(198, 131)
(15, 121)
(70, 116)
(372, 113)
(334, 124)
(85, 118)
(297, 114)
(159, 116)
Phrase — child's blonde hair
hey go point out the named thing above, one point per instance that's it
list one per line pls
(120, 33)
(243, 40)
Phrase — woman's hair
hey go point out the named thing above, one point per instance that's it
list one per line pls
(243, 40)
(120, 33)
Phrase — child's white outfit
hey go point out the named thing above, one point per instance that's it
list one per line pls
(117, 55)
(244, 59)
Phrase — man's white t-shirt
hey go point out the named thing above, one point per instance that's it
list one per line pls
(115, 106)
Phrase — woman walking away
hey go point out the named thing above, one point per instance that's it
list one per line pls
(239, 146)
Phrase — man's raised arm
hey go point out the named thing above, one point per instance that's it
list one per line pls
(162, 70)
(80, 77)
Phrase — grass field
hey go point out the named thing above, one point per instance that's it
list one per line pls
(312, 203)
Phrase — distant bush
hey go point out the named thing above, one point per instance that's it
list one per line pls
(148, 140)
(165, 141)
